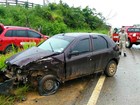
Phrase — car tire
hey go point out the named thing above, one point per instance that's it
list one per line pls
(111, 69)
(10, 49)
(48, 85)
(129, 45)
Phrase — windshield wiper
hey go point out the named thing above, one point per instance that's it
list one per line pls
(51, 47)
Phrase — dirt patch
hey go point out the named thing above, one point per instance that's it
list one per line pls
(66, 95)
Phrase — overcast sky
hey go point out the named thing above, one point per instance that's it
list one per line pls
(117, 12)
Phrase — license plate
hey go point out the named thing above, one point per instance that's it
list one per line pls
(115, 36)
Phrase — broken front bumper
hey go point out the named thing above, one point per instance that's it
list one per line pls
(6, 85)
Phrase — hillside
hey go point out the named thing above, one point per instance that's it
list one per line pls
(53, 18)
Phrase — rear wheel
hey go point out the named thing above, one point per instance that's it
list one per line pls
(129, 44)
(111, 69)
(48, 85)
(10, 48)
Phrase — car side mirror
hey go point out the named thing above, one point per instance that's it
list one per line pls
(73, 53)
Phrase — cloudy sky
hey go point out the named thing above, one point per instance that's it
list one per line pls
(117, 12)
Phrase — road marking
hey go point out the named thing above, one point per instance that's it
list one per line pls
(96, 92)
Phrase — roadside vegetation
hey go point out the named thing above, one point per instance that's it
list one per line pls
(50, 19)
(54, 18)
(20, 92)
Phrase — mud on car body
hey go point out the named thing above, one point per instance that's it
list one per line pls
(63, 57)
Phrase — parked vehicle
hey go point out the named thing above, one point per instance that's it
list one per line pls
(18, 36)
(61, 58)
(133, 36)
(115, 35)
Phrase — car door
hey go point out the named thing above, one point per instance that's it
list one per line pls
(79, 62)
(100, 53)
(20, 37)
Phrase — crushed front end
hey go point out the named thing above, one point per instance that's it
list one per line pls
(10, 77)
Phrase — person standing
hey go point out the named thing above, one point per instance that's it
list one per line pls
(110, 32)
(123, 38)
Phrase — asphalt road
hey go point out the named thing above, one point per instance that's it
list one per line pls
(122, 89)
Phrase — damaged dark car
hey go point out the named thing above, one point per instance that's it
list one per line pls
(61, 58)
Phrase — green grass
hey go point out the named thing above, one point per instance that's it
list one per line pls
(3, 58)
(6, 100)
(19, 95)
(88, 30)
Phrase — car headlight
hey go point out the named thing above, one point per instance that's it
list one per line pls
(134, 35)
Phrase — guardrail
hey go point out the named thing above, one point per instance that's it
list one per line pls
(17, 2)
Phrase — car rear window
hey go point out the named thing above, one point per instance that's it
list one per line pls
(33, 34)
(8, 33)
(19, 33)
(133, 30)
(99, 43)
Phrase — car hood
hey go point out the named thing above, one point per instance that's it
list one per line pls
(28, 56)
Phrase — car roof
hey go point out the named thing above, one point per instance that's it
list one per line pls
(78, 34)
(7, 27)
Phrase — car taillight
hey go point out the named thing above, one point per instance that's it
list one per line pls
(116, 48)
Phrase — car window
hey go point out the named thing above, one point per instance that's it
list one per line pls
(19, 33)
(133, 29)
(8, 33)
(82, 46)
(33, 34)
(99, 43)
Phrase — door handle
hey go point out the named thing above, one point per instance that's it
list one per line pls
(89, 57)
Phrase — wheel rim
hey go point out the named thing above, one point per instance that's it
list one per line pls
(49, 85)
(9, 50)
(127, 45)
(112, 68)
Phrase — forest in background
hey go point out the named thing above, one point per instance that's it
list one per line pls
(54, 18)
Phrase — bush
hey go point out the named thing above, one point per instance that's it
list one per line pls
(55, 27)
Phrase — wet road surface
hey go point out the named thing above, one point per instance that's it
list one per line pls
(124, 87)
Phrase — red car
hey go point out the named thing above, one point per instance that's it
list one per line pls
(18, 36)
(115, 35)
(133, 36)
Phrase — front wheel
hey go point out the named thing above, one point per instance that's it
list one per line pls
(129, 44)
(48, 85)
(111, 69)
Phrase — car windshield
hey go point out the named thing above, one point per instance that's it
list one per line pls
(133, 29)
(56, 43)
